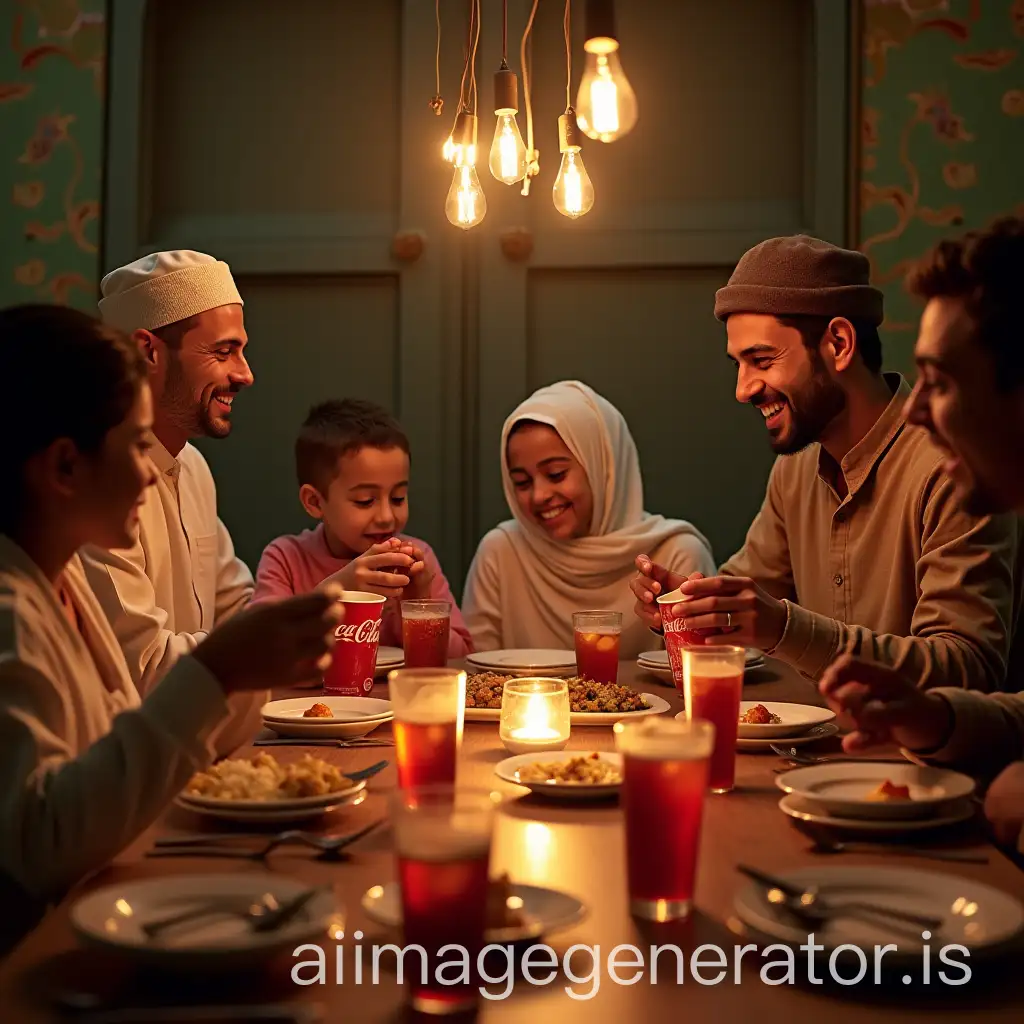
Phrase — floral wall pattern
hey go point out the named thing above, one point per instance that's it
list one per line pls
(942, 135)
(52, 70)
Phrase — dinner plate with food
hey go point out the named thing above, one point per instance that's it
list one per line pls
(881, 790)
(524, 662)
(565, 774)
(515, 913)
(656, 663)
(973, 915)
(219, 931)
(945, 815)
(771, 720)
(262, 789)
(813, 735)
(589, 703)
(326, 717)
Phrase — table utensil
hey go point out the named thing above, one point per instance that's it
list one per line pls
(85, 1008)
(807, 901)
(827, 844)
(279, 741)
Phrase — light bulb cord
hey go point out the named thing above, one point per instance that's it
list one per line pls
(504, 32)
(472, 59)
(567, 27)
(437, 51)
(532, 165)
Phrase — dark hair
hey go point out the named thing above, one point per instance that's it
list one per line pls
(335, 428)
(89, 372)
(811, 329)
(986, 270)
(172, 334)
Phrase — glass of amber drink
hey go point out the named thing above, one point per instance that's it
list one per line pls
(429, 705)
(597, 645)
(425, 628)
(665, 776)
(713, 686)
(443, 846)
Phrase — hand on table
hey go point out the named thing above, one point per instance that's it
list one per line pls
(380, 569)
(884, 706)
(735, 606)
(652, 580)
(277, 642)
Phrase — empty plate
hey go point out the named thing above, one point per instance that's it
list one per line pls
(524, 661)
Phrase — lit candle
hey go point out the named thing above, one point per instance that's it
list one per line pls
(534, 715)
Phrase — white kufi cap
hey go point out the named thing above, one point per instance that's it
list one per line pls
(165, 287)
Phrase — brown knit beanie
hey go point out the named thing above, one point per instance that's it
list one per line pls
(801, 276)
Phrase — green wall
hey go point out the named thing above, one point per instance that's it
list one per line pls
(942, 135)
(52, 64)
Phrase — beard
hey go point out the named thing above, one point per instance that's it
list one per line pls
(812, 409)
(187, 411)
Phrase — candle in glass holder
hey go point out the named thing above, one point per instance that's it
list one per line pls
(534, 715)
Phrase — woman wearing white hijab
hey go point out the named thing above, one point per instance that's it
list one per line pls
(572, 481)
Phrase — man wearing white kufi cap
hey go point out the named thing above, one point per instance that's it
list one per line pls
(181, 578)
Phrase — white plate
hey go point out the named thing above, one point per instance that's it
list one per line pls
(112, 917)
(803, 809)
(550, 909)
(300, 809)
(974, 915)
(508, 770)
(842, 788)
(819, 732)
(659, 659)
(658, 706)
(796, 720)
(388, 658)
(354, 716)
(524, 661)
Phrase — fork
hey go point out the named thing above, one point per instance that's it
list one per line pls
(792, 754)
(343, 744)
(199, 845)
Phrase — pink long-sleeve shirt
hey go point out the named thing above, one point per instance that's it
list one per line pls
(298, 563)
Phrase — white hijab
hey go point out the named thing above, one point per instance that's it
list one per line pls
(591, 572)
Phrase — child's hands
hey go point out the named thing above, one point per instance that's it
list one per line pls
(421, 576)
(380, 569)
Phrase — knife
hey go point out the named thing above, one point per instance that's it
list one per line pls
(285, 913)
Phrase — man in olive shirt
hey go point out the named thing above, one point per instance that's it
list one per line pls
(861, 544)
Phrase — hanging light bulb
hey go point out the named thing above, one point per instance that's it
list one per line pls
(508, 151)
(606, 101)
(466, 203)
(573, 192)
(460, 146)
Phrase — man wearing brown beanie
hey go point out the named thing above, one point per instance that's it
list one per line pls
(861, 544)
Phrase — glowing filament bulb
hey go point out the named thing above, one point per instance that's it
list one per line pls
(466, 205)
(606, 104)
(573, 192)
(508, 151)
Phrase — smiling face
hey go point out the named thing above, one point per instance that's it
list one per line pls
(787, 382)
(550, 485)
(366, 501)
(198, 370)
(957, 399)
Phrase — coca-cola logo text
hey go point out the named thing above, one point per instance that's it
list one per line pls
(361, 633)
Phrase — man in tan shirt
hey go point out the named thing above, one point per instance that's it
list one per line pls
(970, 398)
(181, 578)
(861, 544)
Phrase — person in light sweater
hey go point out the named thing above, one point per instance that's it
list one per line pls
(352, 462)
(572, 481)
(969, 396)
(86, 763)
(180, 577)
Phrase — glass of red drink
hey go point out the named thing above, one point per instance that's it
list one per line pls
(665, 776)
(425, 626)
(597, 645)
(443, 846)
(429, 705)
(713, 677)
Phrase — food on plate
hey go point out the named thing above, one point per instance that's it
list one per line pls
(759, 715)
(264, 778)
(585, 770)
(318, 710)
(499, 913)
(890, 791)
(484, 690)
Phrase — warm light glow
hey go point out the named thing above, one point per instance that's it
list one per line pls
(465, 206)
(606, 105)
(508, 151)
(457, 153)
(573, 193)
(448, 150)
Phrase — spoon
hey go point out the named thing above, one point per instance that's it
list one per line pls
(825, 844)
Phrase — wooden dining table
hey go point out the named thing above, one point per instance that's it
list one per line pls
(577, 848)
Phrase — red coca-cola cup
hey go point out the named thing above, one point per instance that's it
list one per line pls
(355, 654)
(676, 637)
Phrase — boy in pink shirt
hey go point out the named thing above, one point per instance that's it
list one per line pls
(352, 460)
